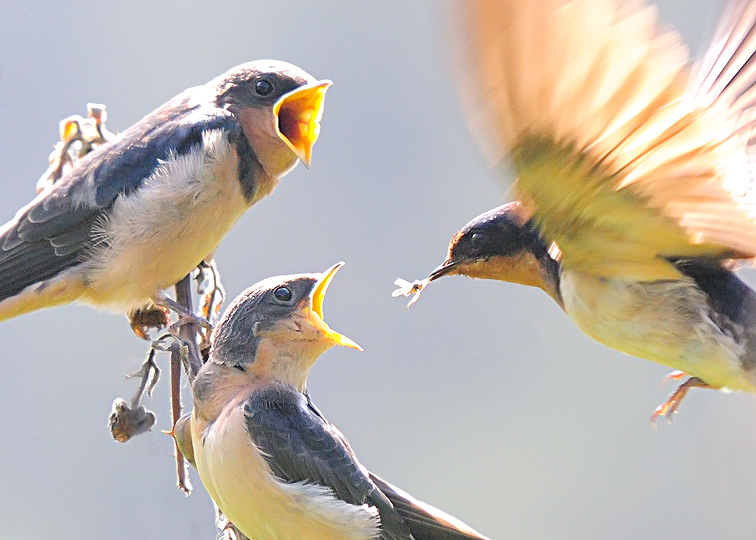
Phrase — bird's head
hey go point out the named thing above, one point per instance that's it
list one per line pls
(279, 107)
(499, 244)
(275, 329)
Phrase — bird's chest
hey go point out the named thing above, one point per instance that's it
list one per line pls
(238, 478)
(668, 322)
(155, 236)
(233, 472)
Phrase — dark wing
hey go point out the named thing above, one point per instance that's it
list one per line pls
(425, 522)
(301, 446)
(53, 232)
(732, 303)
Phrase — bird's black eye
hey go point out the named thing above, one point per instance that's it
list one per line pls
(283, 294)
(476, 239)
(263, 87)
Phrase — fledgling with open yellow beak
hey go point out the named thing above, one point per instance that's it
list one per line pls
(143, 209)
(634, 190)
(268, 458)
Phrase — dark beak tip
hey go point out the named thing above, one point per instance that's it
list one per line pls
(445, 268)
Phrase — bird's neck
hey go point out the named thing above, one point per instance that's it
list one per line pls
(543, 265)
(264, 186)
(215, 386)
(287, 362)
(539, 270)
(271, 154)
(550, 271)
(219, 383)
(256, 181)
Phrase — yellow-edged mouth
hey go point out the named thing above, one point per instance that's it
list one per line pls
(298, 114)
(316, 305)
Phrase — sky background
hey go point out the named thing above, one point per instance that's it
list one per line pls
(483, 399)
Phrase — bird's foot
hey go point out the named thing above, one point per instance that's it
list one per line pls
(210, 288)
(150, 316)
(674, 376)
(186, 317)
(667, 409)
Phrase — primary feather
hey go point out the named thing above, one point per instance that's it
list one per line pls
(621, 159)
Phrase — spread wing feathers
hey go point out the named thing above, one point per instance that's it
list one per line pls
(301, 446)
(425, 521)
(54, 231)
(621, 159)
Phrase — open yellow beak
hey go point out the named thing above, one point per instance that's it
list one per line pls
(298, 114)
(316, 304)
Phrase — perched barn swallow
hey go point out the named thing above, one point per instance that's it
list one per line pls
(141, 211)
(634, 193)
(269, 459)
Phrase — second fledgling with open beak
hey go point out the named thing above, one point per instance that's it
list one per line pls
(269, 459)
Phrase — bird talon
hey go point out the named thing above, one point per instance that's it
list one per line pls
(190, 319)
(669, 407)
(673, 376)
(186, 317)
(665, 410)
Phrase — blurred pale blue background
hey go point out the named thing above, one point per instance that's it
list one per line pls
(483, 399)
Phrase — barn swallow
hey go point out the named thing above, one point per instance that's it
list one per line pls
(141, 211)
(633, 195)
(266, 455)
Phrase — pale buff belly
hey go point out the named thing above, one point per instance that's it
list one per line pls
(238, 479)
(666, 322)
(156, 236)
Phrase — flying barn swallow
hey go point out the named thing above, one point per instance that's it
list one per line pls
(633, 195)
(140, 212)
(269, 459)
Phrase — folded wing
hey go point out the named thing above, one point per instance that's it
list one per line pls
(57, 228)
